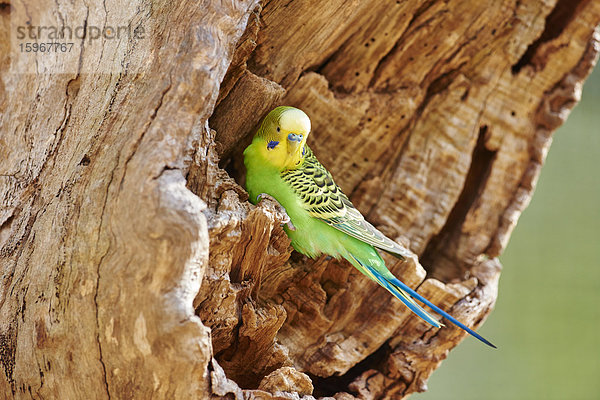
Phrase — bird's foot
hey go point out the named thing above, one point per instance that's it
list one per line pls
(285, 218)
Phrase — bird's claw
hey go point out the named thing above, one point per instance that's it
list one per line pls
(285, 218)
(264, 196)
(290, 226)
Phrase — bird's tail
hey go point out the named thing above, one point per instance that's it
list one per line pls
(405, 294)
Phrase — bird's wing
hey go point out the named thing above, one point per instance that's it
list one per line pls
(324, 200)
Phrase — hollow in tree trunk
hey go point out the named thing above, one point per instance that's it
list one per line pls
(133, 265)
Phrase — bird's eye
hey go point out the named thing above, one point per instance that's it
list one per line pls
(272, 144)
(278, 129)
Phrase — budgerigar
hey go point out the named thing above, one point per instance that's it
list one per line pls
(280, 164)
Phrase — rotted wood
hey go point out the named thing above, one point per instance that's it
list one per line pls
(435, 117)
(133, 265)
(103, 247)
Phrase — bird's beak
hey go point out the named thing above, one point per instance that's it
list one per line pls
(294, 143)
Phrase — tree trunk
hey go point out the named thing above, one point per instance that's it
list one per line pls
(133, 265)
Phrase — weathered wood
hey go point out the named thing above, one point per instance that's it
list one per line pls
(103, 247)
(435, 118)
(122, 209)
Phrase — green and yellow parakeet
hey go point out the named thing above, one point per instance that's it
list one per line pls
(279, 163)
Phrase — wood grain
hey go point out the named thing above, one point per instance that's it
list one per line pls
(103, 247)
(435, 117)
(133, 265)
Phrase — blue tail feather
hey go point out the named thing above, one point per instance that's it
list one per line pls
(398, 293)
(402, 291)
(414, 307)
(438, 310)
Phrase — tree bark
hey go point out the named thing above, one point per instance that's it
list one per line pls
(133, 265)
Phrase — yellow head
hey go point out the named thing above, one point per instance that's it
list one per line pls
(282, 136)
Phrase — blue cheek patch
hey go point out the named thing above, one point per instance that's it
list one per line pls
(303, 151)
(272, 144)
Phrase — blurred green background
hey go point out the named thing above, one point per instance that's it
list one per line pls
(546, 322)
